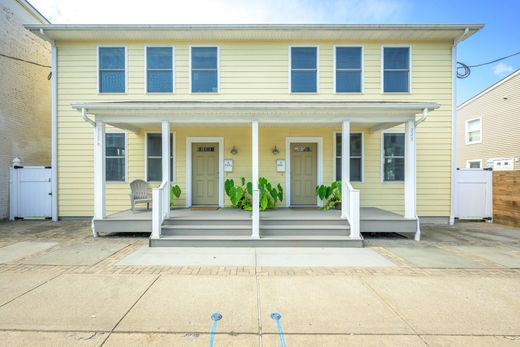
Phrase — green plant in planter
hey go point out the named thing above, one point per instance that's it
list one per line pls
(175, 192)
(331, 195)
(238, 194)
(269, 195)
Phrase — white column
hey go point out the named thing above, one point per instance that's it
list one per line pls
(410, 171)
(256, 194)
(99, 172)
(166, 165)
(345, 165)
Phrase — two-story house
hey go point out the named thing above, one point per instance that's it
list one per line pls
(488, 130)
(301, 105)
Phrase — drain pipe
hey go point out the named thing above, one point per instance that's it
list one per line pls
(85, 117)
(454, 123)
(423, 117)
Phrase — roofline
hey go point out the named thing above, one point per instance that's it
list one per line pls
(34, 11)
(488, 89)
(254, 26)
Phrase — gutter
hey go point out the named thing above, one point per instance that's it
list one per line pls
(454, 123)
(54, 128)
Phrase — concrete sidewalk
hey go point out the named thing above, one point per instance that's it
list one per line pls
(59, 287)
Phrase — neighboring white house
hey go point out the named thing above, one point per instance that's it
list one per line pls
(488, 126)
(25, 93)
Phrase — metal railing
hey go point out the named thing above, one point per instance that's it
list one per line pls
(350, 208)
(160, 207)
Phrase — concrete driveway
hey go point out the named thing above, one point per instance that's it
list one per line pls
(59, 287)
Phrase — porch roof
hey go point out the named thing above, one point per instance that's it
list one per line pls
(267, 112)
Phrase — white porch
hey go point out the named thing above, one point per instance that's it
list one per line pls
(372, 116)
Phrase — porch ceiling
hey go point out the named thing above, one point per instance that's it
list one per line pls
(229, 113)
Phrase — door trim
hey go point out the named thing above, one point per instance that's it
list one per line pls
(319, 166)
(189, 142)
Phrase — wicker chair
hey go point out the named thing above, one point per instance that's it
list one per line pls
(139, 194)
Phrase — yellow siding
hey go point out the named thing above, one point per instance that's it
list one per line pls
(256, 71)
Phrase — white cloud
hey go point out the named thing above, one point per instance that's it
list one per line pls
(501, 69)
(222, 11)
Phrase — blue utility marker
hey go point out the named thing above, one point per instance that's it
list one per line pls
(276, 317)
(215, 317)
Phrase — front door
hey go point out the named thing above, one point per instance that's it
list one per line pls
(205, 173)
(303, 173)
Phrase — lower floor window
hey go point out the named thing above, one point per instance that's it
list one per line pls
(356, 153)
(115, 157)
(393, 157)
(154, 157)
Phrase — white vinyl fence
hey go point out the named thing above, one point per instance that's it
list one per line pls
(30, 192)
(474, 194)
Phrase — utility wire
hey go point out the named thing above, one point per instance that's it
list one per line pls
(23, 60)
(467, 68)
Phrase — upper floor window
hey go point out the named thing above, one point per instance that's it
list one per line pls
(396, 69)
(393, 157)
(304, 69)
(112, 69)
(115, 157)
(348, 69)
(204, 70)
(159, 69)
(473, 131)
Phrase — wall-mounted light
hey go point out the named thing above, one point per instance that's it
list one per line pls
(233, 151)
(275, 150)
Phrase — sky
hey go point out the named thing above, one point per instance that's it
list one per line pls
(500, 37)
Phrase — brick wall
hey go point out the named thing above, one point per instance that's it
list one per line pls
(25, 96)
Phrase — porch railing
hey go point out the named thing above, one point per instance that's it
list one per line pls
(160, 207)
(350, 208)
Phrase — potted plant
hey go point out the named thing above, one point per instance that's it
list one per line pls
(175, 192)
(331, 195)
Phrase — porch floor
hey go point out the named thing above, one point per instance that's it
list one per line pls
(372, 219)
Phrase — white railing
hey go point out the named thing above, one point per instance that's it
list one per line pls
(350, 208)
(160, 207)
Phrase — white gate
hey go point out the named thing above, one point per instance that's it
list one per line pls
(30, 192)
(474, 194)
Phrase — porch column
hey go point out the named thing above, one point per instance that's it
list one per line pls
(345, 165)
(254, 173)
(410, 171)
(166, 165)
(99, 172)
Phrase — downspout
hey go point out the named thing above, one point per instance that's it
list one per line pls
(54, 128)
(423, 117)
(454, 123)
(85, 117)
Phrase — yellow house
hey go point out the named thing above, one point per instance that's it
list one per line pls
(196, 105)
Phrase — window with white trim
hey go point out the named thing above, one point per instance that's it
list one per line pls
(159, 69)
(154, 157)
(112, 69)
(473, 131)
(356, 157)
(304, 69)
(348, 69)
(115, 157)
(474, 164)
(204, 69)
(396, 69)
(393, 157)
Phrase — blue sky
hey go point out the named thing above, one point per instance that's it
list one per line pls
(500, 37)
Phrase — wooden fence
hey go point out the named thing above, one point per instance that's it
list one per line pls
(506, 197)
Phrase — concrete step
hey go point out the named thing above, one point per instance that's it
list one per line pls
(210, 222)
(303, 221)
(206, 230)
(304, 230)
(247, 241)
